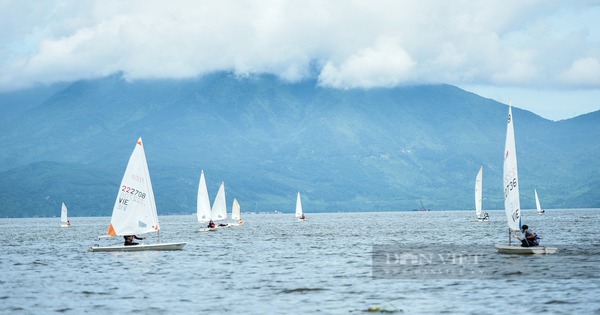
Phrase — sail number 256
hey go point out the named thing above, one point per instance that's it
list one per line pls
(133, 191)
(510, 186)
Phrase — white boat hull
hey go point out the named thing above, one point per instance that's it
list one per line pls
(136, 248)
(509, 249)
(208, 230)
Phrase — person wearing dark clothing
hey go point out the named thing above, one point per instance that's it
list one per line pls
(530, 238)
(129, 239)
(211, 224)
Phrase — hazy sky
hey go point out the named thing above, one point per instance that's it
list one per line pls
(544, 55)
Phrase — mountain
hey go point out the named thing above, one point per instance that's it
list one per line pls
(345, 150)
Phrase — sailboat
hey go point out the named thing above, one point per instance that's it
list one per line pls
(64, 221)
(134, 211)
(236, 213)
(512, 202)
(219, 208)
(203, 212)
(538, 206)
(479, 197)
(299, 214)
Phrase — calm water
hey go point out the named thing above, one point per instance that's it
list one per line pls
(274, 265)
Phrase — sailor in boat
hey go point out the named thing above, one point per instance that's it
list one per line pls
(211, 224)
(223, 224)
(68, 223)
(530, 238)
(241, 221)
(129, 239)
(486, 216)
(303, 217)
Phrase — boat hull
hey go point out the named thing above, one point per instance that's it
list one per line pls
(137, 248)
(518, 250)
(208, 230)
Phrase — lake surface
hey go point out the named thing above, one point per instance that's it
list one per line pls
(275, 265)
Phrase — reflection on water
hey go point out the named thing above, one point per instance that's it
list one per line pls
(274, 264)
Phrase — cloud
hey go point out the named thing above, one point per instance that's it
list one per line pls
(345, 44)
(386, 64)
(583, 72)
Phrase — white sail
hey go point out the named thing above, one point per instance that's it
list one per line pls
(235, 210)
(298, 206)
(203, 202)
(512, 204)
(63, 215)
(135, 209)
(219, 208)
(479, 192)
(538, 206)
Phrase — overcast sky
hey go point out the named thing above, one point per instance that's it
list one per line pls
(544, 55)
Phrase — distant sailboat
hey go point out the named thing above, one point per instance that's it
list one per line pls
(203, 211)
(479, 197)
(64, 221)
(299, 214)
(219, 208)
(203, 201)
(236, 213)
(512, 203)
(134, 211)
(422, 208)
(538, 207)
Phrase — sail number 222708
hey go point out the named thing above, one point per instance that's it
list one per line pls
(133, 191)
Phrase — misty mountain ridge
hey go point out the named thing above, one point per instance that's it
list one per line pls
(344, 150)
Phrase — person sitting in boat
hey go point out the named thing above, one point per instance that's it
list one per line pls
(129, 239)
(303, 217)
(241, 221)
(530, 238)
(68, 223)
(486, 216)
(211, 224)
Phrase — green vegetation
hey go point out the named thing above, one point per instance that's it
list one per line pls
(345, 150)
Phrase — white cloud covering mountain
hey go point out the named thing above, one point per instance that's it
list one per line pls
(540, 47)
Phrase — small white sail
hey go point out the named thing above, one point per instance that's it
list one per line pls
(538, 206)
(235, 210)
(203, 202)
(512, 203)
(63, 216)
(219, 208)
(298, 206)
(135, 209)
(479, 192)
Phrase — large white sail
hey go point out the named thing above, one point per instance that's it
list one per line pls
(219, 208)
(479, 192)
(135, 209)
(63, 215)
(512, 204)
(298, 206)
(538, 206)
(203, 203)
(235, 210)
